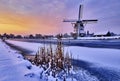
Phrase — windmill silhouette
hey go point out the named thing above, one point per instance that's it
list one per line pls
(79, 23)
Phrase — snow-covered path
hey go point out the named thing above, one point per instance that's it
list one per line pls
(12, 66)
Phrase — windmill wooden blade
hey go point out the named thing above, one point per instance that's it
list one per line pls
(90, 21)
(80, 12)
(70, 20)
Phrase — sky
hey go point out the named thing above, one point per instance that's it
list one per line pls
(46, 16)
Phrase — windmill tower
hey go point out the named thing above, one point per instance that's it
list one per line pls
(79, 23)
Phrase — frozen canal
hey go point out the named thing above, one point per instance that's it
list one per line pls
(101, 62)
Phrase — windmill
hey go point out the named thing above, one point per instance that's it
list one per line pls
(79, 23)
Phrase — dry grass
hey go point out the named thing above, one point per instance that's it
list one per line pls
(54, 60)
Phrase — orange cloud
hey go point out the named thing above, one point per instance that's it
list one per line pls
(11, 22)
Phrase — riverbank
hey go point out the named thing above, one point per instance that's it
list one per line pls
(13, 66)
(102, 63)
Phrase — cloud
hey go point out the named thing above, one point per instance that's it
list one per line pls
(50, 13)
(106, 11)
(35, 6)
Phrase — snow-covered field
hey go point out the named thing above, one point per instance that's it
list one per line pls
(103, 60)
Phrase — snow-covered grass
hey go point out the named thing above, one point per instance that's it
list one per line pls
(14, 68)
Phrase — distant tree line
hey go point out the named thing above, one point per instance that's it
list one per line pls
(107, 34)
(40, 36)
(31, 36)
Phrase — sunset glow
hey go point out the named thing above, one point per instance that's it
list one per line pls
(24, 24)
(45, 17)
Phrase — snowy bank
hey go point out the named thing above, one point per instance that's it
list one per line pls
(14, 68)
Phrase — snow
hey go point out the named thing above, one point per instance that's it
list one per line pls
(87, 76)
(33, 47)
(97, 56)
(51, 78)
(94, 38)
(105, 56)
(13, 67)
(70, 79)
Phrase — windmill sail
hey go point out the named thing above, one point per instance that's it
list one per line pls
(90, 21)
(80, 12)
(70, 20)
